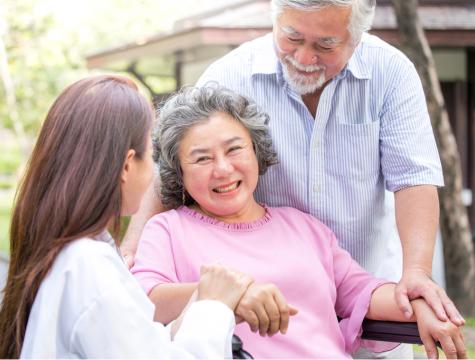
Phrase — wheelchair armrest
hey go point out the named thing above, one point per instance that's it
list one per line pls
(392, 331)
(238, 351)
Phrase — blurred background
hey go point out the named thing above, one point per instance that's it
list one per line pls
(165, 44)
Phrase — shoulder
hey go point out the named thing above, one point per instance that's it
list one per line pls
(372, 45)
(88, 260)
(382, 61)
(235, 68)
(298, 217)
(165, 219)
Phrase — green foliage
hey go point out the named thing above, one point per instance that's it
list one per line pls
(6, 199)
(10, 159)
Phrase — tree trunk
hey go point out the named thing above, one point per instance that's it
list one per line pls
(454, 225)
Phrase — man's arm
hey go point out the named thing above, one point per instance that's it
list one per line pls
(149, 206)
(417, 218)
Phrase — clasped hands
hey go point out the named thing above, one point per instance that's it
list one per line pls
(265, 309)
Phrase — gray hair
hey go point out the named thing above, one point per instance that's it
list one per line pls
(192, 106)
(362, 12)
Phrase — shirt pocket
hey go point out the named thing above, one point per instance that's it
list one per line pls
(354, 153)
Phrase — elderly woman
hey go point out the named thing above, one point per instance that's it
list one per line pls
(211, 145)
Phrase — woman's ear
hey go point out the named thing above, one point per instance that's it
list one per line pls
(129, 158)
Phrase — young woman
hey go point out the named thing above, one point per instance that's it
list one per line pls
(211, 145)
(68, 292)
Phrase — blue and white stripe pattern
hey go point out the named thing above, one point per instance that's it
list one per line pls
(371, 133)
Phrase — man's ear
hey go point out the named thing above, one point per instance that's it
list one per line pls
(129, 157)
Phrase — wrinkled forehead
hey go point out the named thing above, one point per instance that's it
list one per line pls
(329, 25)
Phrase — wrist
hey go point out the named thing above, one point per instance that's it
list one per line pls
(425, 270)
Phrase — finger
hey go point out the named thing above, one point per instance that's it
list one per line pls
(430, 347)
(402, 301)
(450, 309)
(283, 310)
(204, 269)
(263, 320)
(433, 300)
(449, 347)
(274, 316)
(460, 346)
(293, 310)
(251, 318)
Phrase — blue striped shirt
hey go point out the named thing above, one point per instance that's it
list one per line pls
(371, 136)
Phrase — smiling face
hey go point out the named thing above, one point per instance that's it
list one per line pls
(220, 169)
(313, 46)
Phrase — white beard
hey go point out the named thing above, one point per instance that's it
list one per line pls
(300, 83)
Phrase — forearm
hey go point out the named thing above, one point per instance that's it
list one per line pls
(149, 206)
(417, 218)
(383, 305)
(170, 300)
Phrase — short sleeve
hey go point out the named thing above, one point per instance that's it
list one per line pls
(409, 154)
(154, 260)
(354, 287)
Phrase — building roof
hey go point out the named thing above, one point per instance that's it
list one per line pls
(448, 23)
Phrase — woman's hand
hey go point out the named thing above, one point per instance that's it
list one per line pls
(222, 284)
(431, 329)
(265, 309)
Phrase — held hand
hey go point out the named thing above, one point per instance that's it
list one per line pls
(220, 283)
(265, 309)
(415, 284)
(431, 329)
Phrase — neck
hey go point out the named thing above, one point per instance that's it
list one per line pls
(251, 212)
(311, 100)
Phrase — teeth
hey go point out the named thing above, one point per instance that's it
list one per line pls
(227, 188)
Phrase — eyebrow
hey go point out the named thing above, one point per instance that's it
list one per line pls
(289, 30)
(199, 151)
(329, 41)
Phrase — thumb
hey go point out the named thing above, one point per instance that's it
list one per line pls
(402, 301)
(293, 310)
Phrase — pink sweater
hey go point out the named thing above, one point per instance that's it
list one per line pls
(288, 248)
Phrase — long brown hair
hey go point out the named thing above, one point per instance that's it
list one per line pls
(71, 187)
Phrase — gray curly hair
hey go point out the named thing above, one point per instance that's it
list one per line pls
(192, 106)
(362, 12)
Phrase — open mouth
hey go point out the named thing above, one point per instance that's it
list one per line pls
(227, 188)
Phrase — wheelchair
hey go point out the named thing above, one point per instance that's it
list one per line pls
(391, 331)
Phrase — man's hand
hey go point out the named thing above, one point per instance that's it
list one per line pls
(431, 329)
(265, 309)
(416, 284)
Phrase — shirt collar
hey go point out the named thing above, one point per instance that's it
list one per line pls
(265, 60)
(357, 65)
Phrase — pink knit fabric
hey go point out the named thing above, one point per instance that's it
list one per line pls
(288, 248)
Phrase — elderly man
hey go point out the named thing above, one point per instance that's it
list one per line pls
(350, 125)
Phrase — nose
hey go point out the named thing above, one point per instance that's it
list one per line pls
(222, 167)
(305, 56)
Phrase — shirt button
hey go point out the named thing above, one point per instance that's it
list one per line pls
(316, 188)
(316, 145)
